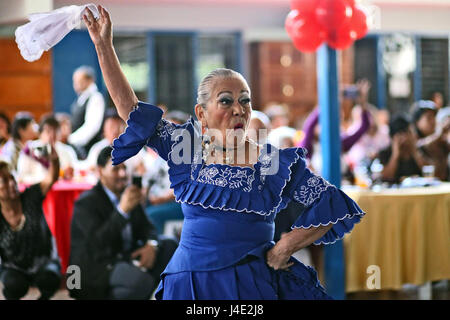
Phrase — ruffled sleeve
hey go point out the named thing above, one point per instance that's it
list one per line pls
(324, 204)
(145, 126)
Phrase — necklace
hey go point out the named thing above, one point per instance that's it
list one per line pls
(210, 149)
(20, 225)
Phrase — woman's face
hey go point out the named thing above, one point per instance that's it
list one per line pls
(112, 128)
(427, 123)
(48, 134)
(65, 130)
(3, 129)
(29, 132)
(228, 111)
(438, 99)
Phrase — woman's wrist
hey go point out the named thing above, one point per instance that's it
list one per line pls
(284, 247)
(54, 159)
(420, 160)
(104, 46)
(55, 162)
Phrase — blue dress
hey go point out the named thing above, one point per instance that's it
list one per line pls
(229, 214)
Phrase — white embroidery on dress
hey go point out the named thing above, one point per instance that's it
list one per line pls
(249, 183)
(310, 192)
(165, 129)
(195, 163)
(234, 178)
(266, 163)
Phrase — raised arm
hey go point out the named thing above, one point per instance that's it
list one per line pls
(119, 88)
(308, 128)
(391, 164)
(53, 171)
(348, 141)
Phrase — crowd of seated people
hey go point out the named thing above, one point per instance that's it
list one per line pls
(418, 140)
(401, 146)
(23, 129)
(351, 97)
(26, 159)
(118, 249)
(32, 165)
(133, 218)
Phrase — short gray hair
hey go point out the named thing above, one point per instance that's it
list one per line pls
(88, 71)
(205, 87)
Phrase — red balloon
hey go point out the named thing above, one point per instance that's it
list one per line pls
(298, 18)
(333, 14)
(359, 23)
(304, 5)
(307, 35)
(290, 20)
(341, 38)
(351, 3)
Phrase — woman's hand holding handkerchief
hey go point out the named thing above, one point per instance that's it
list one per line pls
(47, 29)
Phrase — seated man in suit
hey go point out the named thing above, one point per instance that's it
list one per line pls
(114, 245)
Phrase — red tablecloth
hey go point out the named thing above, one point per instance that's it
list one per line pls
(58, 210)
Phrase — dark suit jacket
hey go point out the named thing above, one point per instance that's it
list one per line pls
(96, 240)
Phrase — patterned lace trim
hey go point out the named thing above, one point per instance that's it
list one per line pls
(233, 177)
(348, 215)
(238, 179)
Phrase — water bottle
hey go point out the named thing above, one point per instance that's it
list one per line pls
(376, 169)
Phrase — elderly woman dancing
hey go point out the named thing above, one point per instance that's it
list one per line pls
(230, 189)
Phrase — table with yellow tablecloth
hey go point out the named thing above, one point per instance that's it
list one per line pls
(406, 233)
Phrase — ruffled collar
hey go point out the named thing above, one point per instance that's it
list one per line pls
(256, 189)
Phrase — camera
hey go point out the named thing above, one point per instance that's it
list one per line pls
(137, 181)
(351, 92)
(41, 152)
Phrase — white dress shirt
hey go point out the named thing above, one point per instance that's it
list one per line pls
(93, 117)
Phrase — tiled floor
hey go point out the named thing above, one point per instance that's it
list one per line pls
(440, 291)
(33, 294)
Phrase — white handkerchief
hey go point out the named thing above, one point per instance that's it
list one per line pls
(47, 29)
